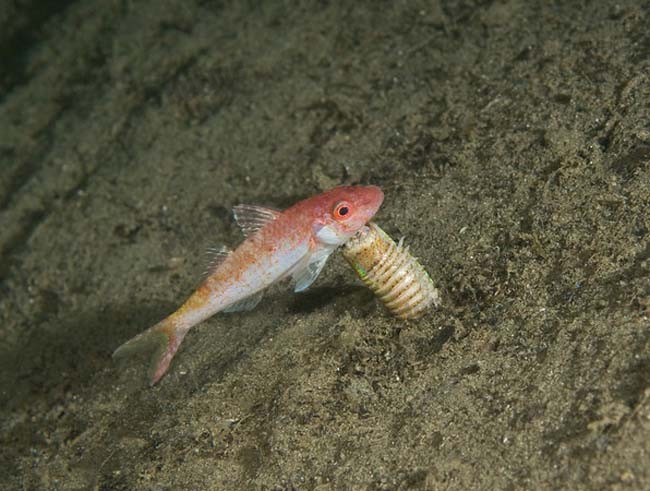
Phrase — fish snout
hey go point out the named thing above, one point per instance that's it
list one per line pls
(372, 198)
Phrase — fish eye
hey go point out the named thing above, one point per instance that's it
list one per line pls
(342, 209)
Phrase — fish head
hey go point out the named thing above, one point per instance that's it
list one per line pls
(342, 211)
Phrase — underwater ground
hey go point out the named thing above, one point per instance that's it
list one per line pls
(512, 140)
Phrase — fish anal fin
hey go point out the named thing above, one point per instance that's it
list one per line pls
(249, 303)
(251, 218)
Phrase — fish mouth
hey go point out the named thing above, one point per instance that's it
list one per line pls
(360, 239)
(364, 237)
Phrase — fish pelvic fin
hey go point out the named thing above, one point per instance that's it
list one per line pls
(165, 338)
(306, 271)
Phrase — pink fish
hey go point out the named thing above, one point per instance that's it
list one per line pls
(295, 242)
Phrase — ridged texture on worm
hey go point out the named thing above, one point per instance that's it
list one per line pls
(391, 272)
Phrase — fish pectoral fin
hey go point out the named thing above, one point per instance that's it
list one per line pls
(307, 271)
(215, 256)
(249, 303)
(251, 218)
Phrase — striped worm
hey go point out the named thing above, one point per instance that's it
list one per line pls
(391, 272)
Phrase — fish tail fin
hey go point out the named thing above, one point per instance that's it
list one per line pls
(165, 337)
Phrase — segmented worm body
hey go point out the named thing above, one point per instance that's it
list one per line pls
(391, 272)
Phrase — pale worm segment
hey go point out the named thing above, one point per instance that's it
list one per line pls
(391, 272)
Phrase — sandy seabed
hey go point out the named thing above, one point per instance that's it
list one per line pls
(512, 140)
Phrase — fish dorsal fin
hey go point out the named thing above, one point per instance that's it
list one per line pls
(251, 218)
(307, 272)
(215, 255)
(248, 303)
